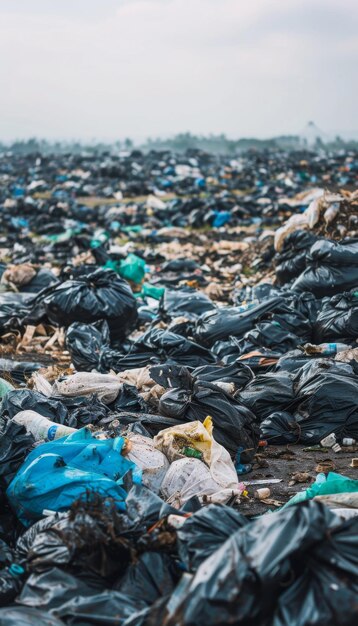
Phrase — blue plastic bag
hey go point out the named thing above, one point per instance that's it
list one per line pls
(58, 472)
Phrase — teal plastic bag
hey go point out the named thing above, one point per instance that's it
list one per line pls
(333, 483)
(132, 268)
(5, 387)
(59, 472)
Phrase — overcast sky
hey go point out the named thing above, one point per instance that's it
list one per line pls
(108, 69)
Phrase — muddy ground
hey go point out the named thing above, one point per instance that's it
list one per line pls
(283, 462)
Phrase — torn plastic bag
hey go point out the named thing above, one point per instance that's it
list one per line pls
(100, 295)
(222, 323)
(268, 393)
(244, 579)
(185, 302)
(332, 268)
(26, 616)
(146, 455)
(205, 531)
(129, 398)
(195, 437)
(15, 445)
(57, 473)
(105, 386)
(189, 477)
(338, 318)
(44, 278)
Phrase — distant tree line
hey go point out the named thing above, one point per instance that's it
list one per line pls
(178, 143)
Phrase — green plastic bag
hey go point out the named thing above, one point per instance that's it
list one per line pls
(152, 291)
(333, 483)
(132, 268)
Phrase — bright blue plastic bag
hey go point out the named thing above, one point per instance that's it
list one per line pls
(58, 472)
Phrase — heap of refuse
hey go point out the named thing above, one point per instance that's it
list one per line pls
(178, 353)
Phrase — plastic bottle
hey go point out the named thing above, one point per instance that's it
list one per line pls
(348, 441)
(40, 427)
(192, 452)
(241, 468)
(331, 349)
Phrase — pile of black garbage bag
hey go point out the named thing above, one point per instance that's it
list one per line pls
(158, 565)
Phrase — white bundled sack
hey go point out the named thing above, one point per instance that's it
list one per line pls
(105, 386)
(151, 461)
(213, 476)
(190, 477)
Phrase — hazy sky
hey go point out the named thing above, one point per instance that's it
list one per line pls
(114, 68)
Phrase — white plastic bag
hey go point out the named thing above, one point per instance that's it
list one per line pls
(172, 441)
(106, 386)
(151, 461)
(190, 477)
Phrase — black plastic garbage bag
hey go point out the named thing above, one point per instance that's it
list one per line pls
(332, 268)
(13, 308)
(271, 335)
(247, 578)
(222, 323)
(100, 295)
(135, 422)
(268, 393)
(43, 279)
(15, 444)
(174, 348)
(205, 531)
(338, 319)
(326, 401)
(21, 616)
(86, 343)
(280, 428)
(291, 261)
(294, 360)
(67, 597)
(234, 424)
(184, 377)
(236, 373)
(152, 576)
(18, 371)
(18, 400)
(325, 592)
(186, 302)
(88, 541)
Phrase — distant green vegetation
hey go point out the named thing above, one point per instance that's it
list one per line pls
(178, 143)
